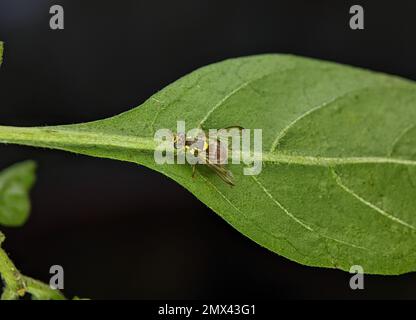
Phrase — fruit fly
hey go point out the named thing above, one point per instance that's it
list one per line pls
(211, 152)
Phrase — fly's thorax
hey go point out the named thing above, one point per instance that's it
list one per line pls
(196, 145)
(212, 149)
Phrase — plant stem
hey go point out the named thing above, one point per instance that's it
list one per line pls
(64, 137)
(17, 285)
(14, 283)
(41, 291)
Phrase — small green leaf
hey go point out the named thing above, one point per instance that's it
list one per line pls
(15, 184)
(338, 185)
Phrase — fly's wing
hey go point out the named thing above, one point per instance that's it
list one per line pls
(222, 172)
(217, 152)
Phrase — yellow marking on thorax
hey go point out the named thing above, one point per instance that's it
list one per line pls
(206, 145)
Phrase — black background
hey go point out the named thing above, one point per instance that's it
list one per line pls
(123, 231)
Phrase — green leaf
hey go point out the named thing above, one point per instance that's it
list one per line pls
(15, 184)
(338, 183)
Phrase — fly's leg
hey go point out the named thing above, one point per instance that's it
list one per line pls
(193, 171)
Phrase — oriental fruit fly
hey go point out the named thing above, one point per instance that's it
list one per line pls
(211, 152)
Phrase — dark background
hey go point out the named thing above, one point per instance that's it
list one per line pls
(123, 231)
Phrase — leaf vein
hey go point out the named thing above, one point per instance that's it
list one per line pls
(279, 238)
(338, 180)
(287, 212)
(281, 206)
(399, 137)
(237, 89)
(285, 130)
(221, 102)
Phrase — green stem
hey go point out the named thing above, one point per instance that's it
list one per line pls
(64, 138)
(17, 285)
(14, 283)
(41, 291)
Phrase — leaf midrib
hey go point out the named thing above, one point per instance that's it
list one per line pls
(54, 137)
